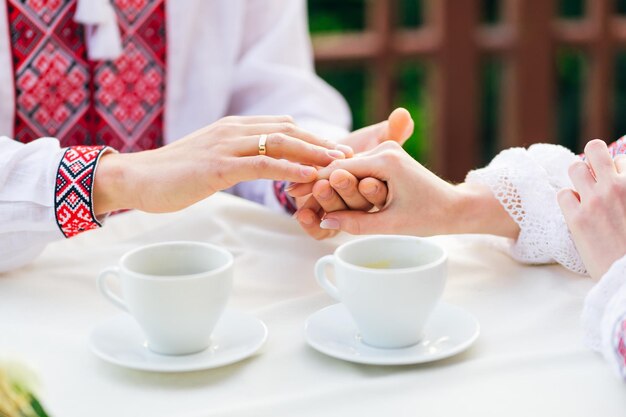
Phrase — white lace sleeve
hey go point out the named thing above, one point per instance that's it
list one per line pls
(604, 317)
(526, 181)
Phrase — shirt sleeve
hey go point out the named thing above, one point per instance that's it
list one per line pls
(604, 317)
(275, 75)
(526, 182)
(45, 195)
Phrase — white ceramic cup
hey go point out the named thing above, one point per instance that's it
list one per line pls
(389, 284)
(176, 291)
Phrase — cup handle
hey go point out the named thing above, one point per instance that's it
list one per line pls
(106, 291)
(322, 279)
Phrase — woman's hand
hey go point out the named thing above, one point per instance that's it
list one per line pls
(209, 160)
(418, 202)
(596, 211)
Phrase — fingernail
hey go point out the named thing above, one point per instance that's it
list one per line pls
(329, 224)
(335, 154)
(306, 219)
(307, 171)
(326, 193)
(369, 190)
(345, 149)
(342, 184)
(291, 186)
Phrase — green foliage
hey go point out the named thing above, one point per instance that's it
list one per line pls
(336, 15)
(491, 11)
(411, 94)
(490, 109)
(572, 8)
(351, 83)
(410, 14)
(570, 65)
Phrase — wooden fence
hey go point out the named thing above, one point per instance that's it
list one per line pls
(454, 41)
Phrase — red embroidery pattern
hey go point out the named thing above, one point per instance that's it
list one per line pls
(283, 198)
(47, 10)
(60, 93)
(51, 77)
(130, 91)
(73, 193)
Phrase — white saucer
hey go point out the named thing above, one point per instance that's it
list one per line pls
(119, 340)
(450, 330)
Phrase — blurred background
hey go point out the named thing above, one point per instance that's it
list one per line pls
(478, 75)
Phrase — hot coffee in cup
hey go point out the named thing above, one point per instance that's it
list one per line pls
(389, 284)
(176, 291)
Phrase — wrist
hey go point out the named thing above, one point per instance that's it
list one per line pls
(477, 210)
(113, 184)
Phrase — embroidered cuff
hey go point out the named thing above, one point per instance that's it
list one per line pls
(284, 199)
(73, 198)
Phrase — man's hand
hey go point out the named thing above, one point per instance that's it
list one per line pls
(208, 160)
(343, 190)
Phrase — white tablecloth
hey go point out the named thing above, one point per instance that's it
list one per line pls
(528, 360)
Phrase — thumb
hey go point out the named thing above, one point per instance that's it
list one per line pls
(400, 125)
(354, 222)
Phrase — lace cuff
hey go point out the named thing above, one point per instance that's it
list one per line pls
(73, 199)
(526, 181)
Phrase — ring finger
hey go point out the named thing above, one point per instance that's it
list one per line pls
(281, 146)
(292, 130)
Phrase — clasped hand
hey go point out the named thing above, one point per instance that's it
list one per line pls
(340, 190)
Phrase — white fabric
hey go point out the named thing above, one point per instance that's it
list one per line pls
(224, 57)
(27, 182)
(528, 360)
(526, 181)
(604, 311)
(103, 32)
